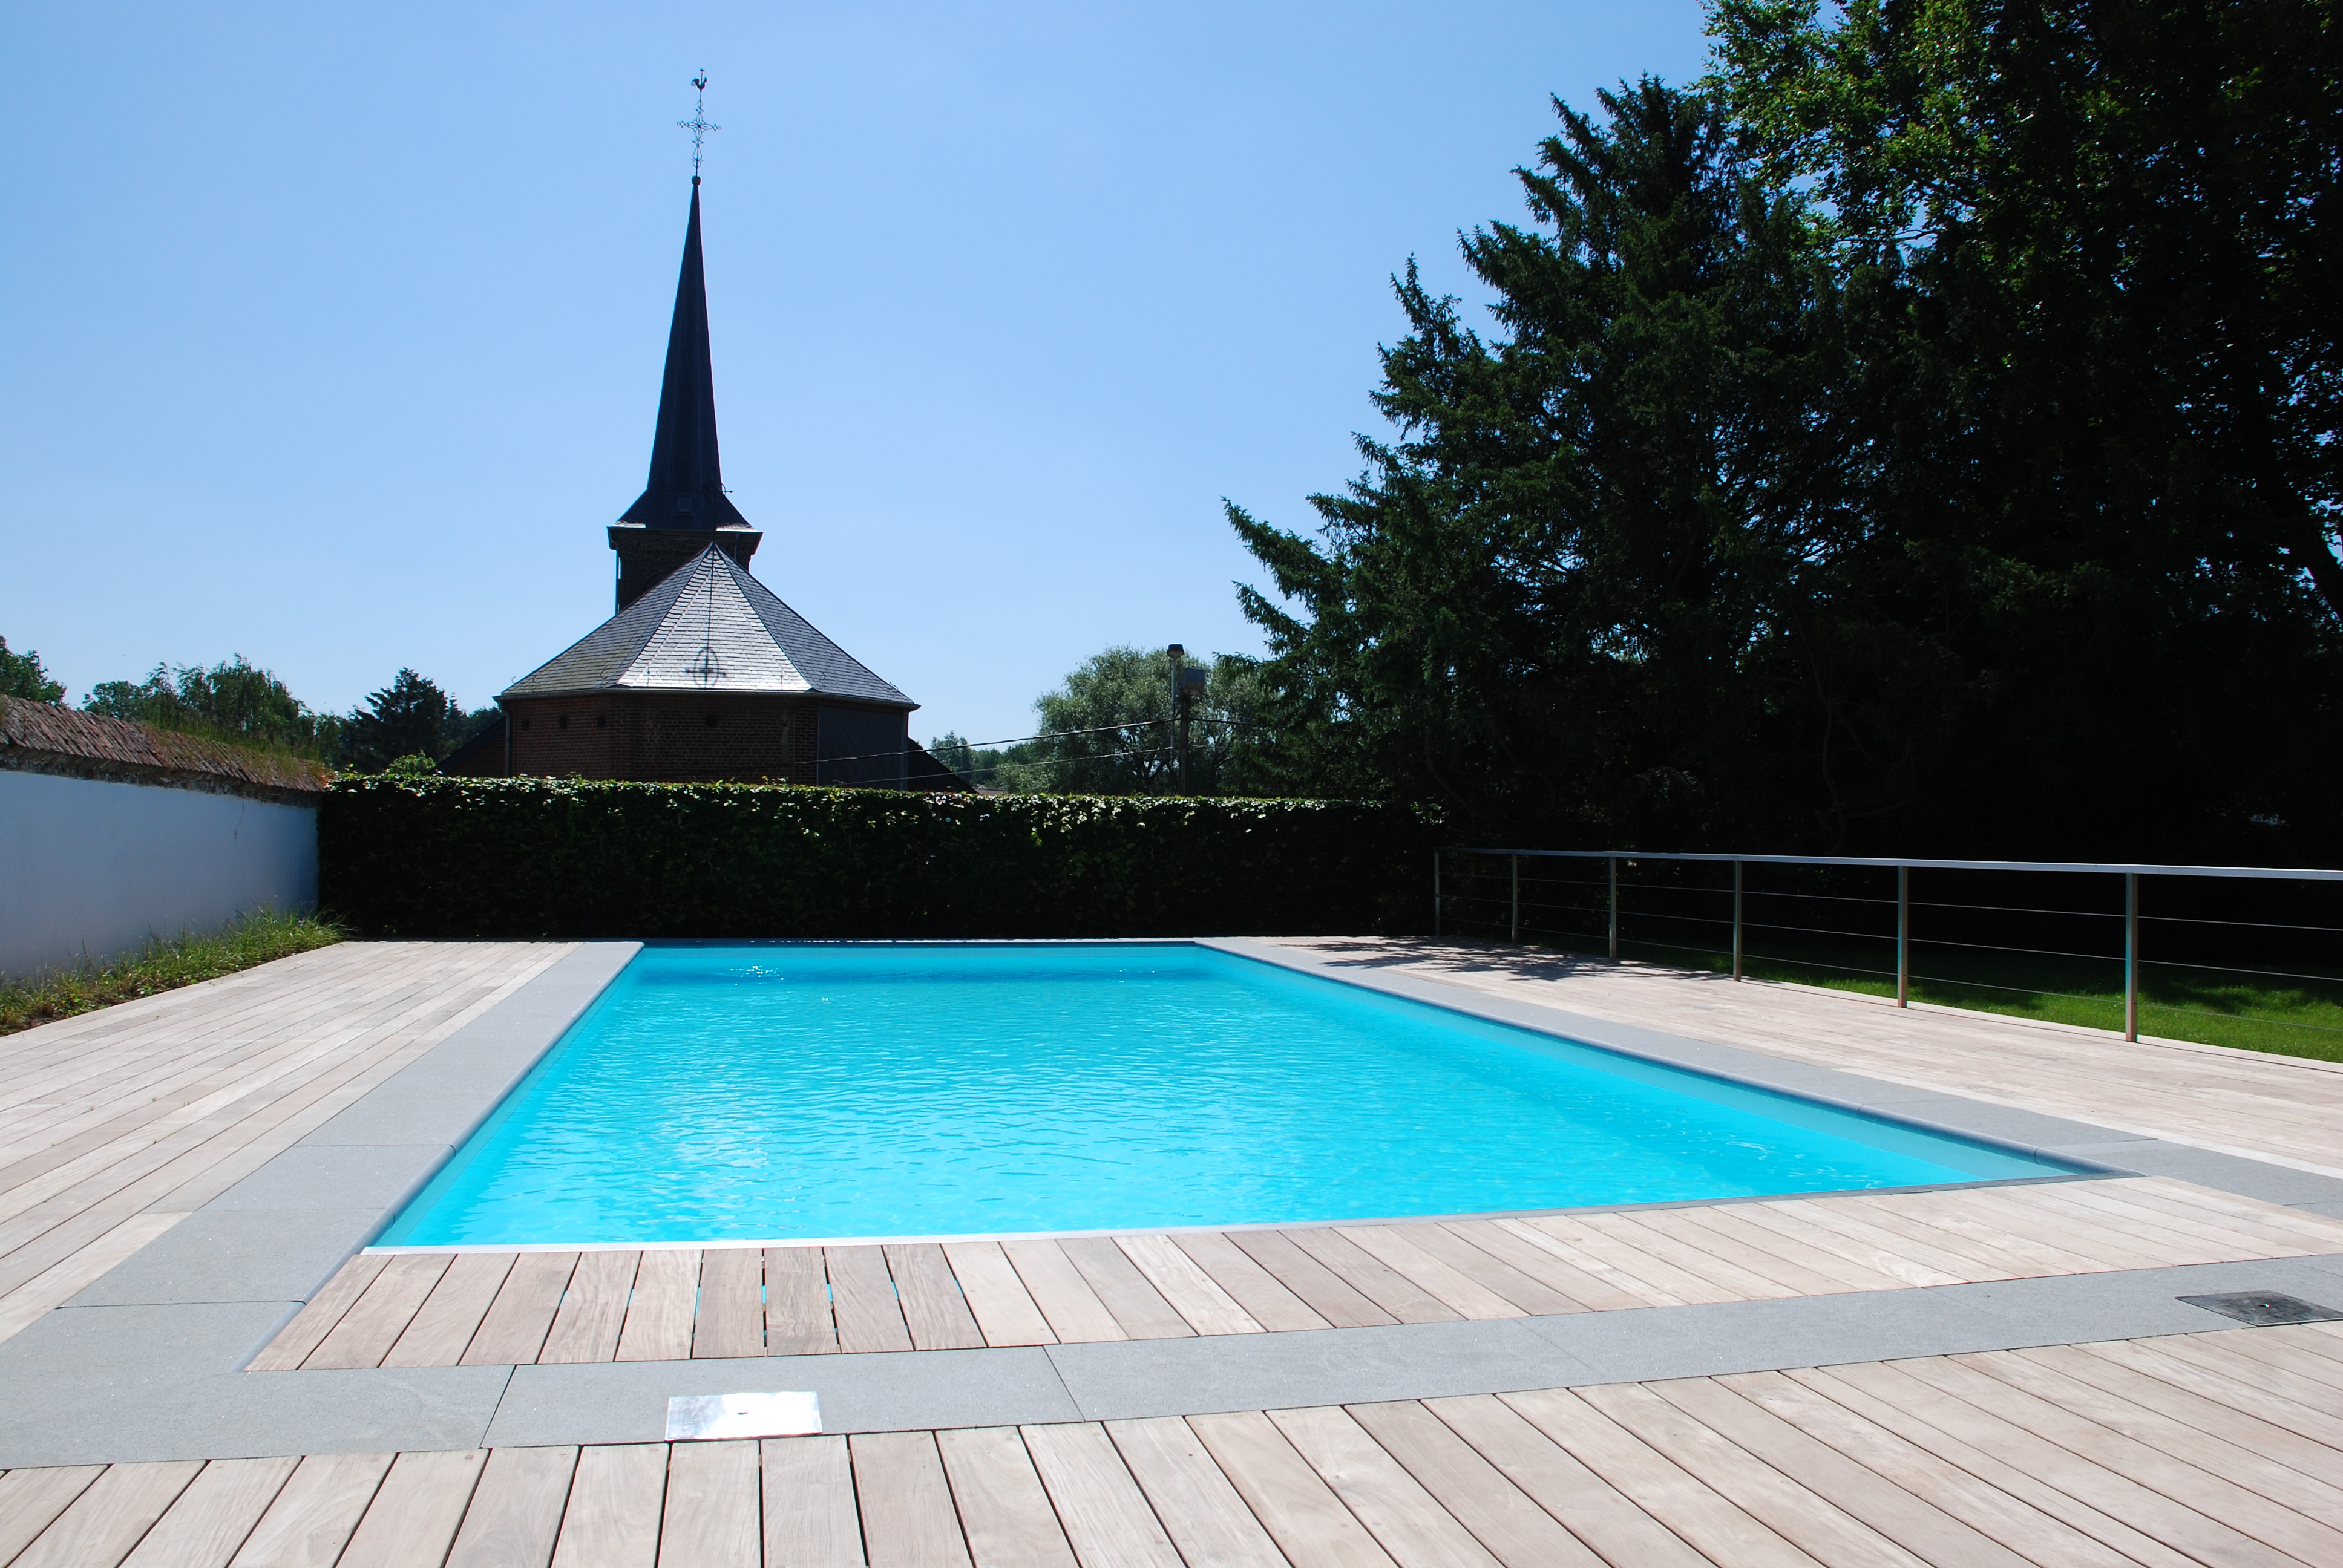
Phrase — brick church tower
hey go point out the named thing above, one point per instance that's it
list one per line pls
(703, 674)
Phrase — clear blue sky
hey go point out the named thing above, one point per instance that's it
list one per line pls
(332, 332)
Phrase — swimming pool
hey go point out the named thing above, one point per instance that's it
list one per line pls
(777, 1092)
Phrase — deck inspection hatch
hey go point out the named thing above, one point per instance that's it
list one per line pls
(2265, 1309)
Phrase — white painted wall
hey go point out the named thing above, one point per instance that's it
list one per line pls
(90, 868)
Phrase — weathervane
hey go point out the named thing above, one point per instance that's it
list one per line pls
(699, 125)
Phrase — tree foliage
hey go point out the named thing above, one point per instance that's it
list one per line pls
(1108, 730)
(410, 723)
(21, 675)
(234, 701)
(1917, 438)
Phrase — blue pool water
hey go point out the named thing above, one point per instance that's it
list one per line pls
(771, 1092)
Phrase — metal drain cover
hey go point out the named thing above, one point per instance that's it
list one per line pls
(2265, 1309)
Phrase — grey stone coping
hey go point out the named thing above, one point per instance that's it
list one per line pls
(147, 1362)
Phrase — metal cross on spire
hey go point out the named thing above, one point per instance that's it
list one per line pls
(699, 125)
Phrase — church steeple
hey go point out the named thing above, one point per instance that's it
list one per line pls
(686, 488)
(683, 507)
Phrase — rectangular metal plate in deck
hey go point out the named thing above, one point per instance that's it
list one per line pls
(2265, 1309)
(699, 1418)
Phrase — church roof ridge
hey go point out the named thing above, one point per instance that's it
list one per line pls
(709, 626)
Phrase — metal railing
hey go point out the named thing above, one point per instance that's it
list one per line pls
(1469, 867)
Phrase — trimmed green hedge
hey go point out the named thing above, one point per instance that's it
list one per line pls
(433, 857)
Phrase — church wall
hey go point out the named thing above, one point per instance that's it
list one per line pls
(679, 738)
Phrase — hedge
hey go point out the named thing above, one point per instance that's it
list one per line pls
(455, 857)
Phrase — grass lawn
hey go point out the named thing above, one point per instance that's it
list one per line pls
(164, 965)
(2213, 1007)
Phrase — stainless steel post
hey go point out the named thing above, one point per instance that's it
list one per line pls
(1436, 892)
(1615, 908)
(1736, 919)
(2131, 955)
(1517, 897)
(1902, 935)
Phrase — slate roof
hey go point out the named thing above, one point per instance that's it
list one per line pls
(708, 627)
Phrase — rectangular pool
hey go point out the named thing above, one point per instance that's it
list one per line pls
(777, 1092)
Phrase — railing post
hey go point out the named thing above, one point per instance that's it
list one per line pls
(1517, 896)
(1615, 908)
(1902, 935)
(1736, 919)
(1436, 892)
(2131, 955)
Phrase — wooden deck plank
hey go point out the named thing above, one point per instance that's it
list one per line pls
(1912, 1523)
(1996, 1218)
(863, 1301)
(373, 1325)
(731, 1319)
(2269, 1223)
(1986, 1465)
(2154, 1358)
(908, 1518)
(1630, 1260)
(1584, 1291)
(1663, 1241)
(518, 1322)
(2225, 1449)
(412, 1521)
(212, 1517)
(1192, 1292)
(2183, 1530)
(2194, 1482)
(2025, 1530)
(1781, 1502)
(316, 1320)
(1391, 1246)
(1403, 1298)
(1890, 1232)
(452, 1313)
(31, 1499)
(316, 1511)
(713, 1517)
(1138, 1308)
(593, 1310)
(1508, 1525)
(1525, 1292)
(996, 1296)
(1590, 1507)
(1192, 1499)
(1059, 1293)
(1250, 1286)
(1696, 1229)
(515, 1516)
(1404, 1517)
(1326, 1293)
(809, 1517)
(659, 1317)
(1580, 1259)
(1107, 1519)
(100, 1526)
(1301, 1512)
(796, 1303)
(1004, 1512)
(1864, 1252)
(616, 1499)
(933, 1308)
(1708, 1522)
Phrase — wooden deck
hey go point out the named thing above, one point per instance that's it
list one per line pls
(2282, 1109)
(116, 1124)
(491, 1308)
(2215, 1448)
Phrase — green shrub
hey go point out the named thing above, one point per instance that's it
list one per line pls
(431, 857)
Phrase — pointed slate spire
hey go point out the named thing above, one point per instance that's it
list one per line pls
(686, 489)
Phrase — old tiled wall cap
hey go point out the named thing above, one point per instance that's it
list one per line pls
(47, 738)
